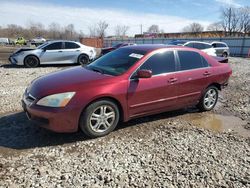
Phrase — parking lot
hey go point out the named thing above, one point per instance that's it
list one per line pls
(181, 148)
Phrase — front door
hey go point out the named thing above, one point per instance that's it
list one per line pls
(155, 94)
(52, 53)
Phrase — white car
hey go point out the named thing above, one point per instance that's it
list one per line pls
(4, 41)
(38, 40)
(203, 46)
(54, 52)
(221, 48)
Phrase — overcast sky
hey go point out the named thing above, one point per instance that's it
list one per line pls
(170, 15)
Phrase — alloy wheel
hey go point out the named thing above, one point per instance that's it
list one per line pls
(210, 98)
(102, 118)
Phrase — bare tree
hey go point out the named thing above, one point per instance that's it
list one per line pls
(230, 20)
(121, 30)
(193, 28)
(14, 30)
(92, 31)
(244, 20)
(101, 28)
(154, 29)
(69, 32)
(36, 29)
(215, 27)
(54, 31)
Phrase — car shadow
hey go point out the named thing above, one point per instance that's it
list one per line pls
(17, 132)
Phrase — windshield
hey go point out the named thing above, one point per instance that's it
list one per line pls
(42, 45)
(117, 62)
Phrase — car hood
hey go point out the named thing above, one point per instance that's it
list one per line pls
(67, 80)
(22, 49)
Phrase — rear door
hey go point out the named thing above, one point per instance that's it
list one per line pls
(71, 51)
(194, 76)
(157, 93)
(220, 48)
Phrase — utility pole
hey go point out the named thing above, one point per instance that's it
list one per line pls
(141, 28)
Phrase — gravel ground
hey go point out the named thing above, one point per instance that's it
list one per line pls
(163, 150)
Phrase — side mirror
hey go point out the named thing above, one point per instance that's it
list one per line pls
(144, 74)
(43, 49)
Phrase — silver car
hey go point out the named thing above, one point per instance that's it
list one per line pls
(221, 48)
(53, 52)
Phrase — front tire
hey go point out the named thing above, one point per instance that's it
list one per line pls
(209, 99)
(31, 62)
(99, 118)
(83, 59)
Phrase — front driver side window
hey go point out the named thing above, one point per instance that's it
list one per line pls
(54, 46)
(160, 63)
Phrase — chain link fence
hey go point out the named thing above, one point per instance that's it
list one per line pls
(239, 46)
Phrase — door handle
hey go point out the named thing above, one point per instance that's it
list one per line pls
(60, 51)
(172, 80)
(77, 50)
(206, 73)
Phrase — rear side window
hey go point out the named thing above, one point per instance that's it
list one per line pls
(160, 63)
(219, 45)
(191, 45)
(191, 60)
(71, 45)
(54, 46)
(201, 46)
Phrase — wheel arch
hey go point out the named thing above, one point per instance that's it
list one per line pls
(29, 55)
(217, 85)
(83, 53)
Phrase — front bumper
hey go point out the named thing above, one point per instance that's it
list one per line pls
(12, 60)
(55, 119)
(16, 59)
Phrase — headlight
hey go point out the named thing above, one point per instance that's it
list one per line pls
(56, 100)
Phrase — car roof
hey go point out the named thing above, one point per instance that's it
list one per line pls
(153, 47)
(218, 42)
(198, 42)
(60, 41)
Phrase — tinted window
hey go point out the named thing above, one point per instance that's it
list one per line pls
(198, 46)
(116, 62)
(204, 62)
(71, 45)
(191, 60)
(54, 46)
(160, 63)
(219, 45)
(177, 42)
(201, 46)
(190, 45)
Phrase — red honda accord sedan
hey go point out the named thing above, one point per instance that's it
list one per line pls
(127, 83)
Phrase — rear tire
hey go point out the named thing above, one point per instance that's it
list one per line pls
(31, 62)
(209, 99)
(83, 59)
(99, 118)
(224, 54)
